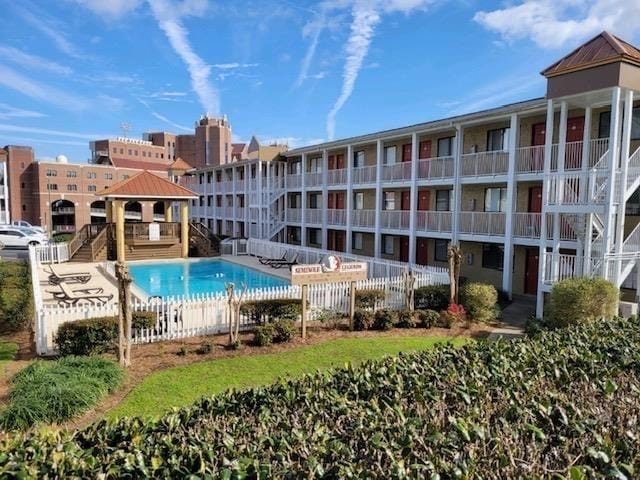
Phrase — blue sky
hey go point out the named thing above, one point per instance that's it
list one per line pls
(295, 70)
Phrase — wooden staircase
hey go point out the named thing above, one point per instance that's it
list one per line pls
(90, 243)
(202, 242)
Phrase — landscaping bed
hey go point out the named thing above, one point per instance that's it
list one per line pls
(564, 403)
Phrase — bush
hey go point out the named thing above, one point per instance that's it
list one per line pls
(428, 318)
(454, 314)
(262, 311)
(16, 304)
(329, 318)
(581, 300)
(205, 348)
(480, 301)
(369, 299)
(284, 331)
(384, 319)
(263, 335)
(53, 392)
(362, 320)
(419, 415)
(96, 335)
(407, 319)
(432, 297)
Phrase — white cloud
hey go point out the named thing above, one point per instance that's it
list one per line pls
(55, 133)
(165, 14)
(40, 91)
(7, 112)
(161, 117)
(32, 141)
(51, 30)
(555, 23)
(32, 61)
(110, 8)
(233, 66)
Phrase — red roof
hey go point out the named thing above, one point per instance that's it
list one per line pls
(139, 164)
(237, 148)
(600, 50)
(147, 185)
(180, 164)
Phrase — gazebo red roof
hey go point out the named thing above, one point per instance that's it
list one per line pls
(146, 185)
(180, 164)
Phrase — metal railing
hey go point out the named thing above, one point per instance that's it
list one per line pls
(437, 167)
(482, 223)
(313, 215)
(362, 175)
(485, 163)
(434, 221)
(396, 172)
(363, 218)
(336, 216)
(395, 219)
(337, 176)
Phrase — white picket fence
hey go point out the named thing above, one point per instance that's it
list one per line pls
(182, 317)
(53, 253)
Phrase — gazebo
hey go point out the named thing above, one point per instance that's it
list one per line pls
(148, 187)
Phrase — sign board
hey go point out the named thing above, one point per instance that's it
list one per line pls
(330, 270)
(154, 232)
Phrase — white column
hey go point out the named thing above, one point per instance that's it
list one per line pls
(247, 190)
(507, 271)
(542, 258)
(624, 171)
(259, 195)
(214, 204)
(458, 147)
(413, 198)
(233, 199)
(584, 245)
(614, 155)
(349, 200)
(303, 202)
(562, 148)
(325, 198)
(377, 251)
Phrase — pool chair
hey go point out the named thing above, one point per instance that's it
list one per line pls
(66, 296)
(268, 261)
(56, 278)
(285, 263)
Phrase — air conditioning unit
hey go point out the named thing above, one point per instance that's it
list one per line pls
(627, 309)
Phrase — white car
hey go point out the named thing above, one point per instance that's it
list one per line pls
(15, 237)
(25, 224)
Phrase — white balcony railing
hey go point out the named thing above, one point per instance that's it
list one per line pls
(313, 179)
(363, 218)
(395, 219)
(240, 212)
(485, 163)
(313, 215)
(482, 223)
(527, 225)
(531, 159)
(364, 174)
(158, 217)
(396, 172)
(337, 176)
(439, 167)
(98, 211)
(1, 191)
(239, 186)
(294, 180)
(294, 215)
(432, 221)
(336, 216)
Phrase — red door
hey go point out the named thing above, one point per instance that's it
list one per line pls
(531, 272)
(425, 149)
(406, 152)
(423, 199)
(538, 134)
(339, 201)
(404, 249)
(340, 161)
(421, 251)
(405, 201)
(331, 163)
(575, 133)
(331, 201)
(339, 241)
(535, 199)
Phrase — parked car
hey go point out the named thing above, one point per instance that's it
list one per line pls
(24, 224)
(15, 237)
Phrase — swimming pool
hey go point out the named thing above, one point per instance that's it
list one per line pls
(204, 276)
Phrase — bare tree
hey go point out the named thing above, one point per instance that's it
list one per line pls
(409, 289)
(124, 314)
(235, 304)
(454, 255)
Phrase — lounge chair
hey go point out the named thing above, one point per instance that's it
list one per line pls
(79, 291)
(56, 278)
(285, 263)
(267, 261)
(68, 297)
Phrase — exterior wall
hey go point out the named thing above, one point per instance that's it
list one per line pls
(20, 162)
(212, 142)
(368, 242)
(477, 136)
(475, 270)
(131, 149)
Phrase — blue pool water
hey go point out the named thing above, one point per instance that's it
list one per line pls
(205, 276)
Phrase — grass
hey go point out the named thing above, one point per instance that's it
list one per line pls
(8, 350)
(180, 386)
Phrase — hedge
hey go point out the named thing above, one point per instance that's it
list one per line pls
(53, 392)
(480, 300)
(96, 335)
(261, 311)
(369, 299)
(16, 304)
(279, 331)
(578, 300)
(432, 297)
(562, 404)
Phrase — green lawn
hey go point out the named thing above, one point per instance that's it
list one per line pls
(180, 386)
(7, 352)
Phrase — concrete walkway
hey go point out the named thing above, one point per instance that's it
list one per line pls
(514, 318)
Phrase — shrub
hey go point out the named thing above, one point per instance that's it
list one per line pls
(384, 319)
(183, 351)
(284, 331)
(16, 304)
(369, 299)
(261, 311)
(428, 318)
(480, 301)
(581, 300)
(205, 348)
(432, 297)
(362, 320)
(453, 315)
(328, 317)
(263, 335)
(53, 392)
(407, 319)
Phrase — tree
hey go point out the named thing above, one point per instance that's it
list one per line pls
(233, 312)
(454, 255)
(409, 289)
(124, 314)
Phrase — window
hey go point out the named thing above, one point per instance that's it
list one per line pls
(605, 122)
(390, 155)
(497, 139)
(444, 199)
(72, 174)
(313, 201)
(23, 185)
(135, 152)
(492, 256)
(52, 186)
(357, 240)
(129, 151)
(115, 150)
(202, 201)
(125, 176)
(294, 234)
(315, 164)
(144, 153)
(91, 175)
(72, 188)
(440, 250)
(91, 188)
(445, 147)
(358, 159)
(495, 199)
(387, 244)
(122, 151)
(51, 173)
(24, 208)
(314, 236)
(209, 177)
(209, 200)
(389, 200)
(358, 201)
(108, 176)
